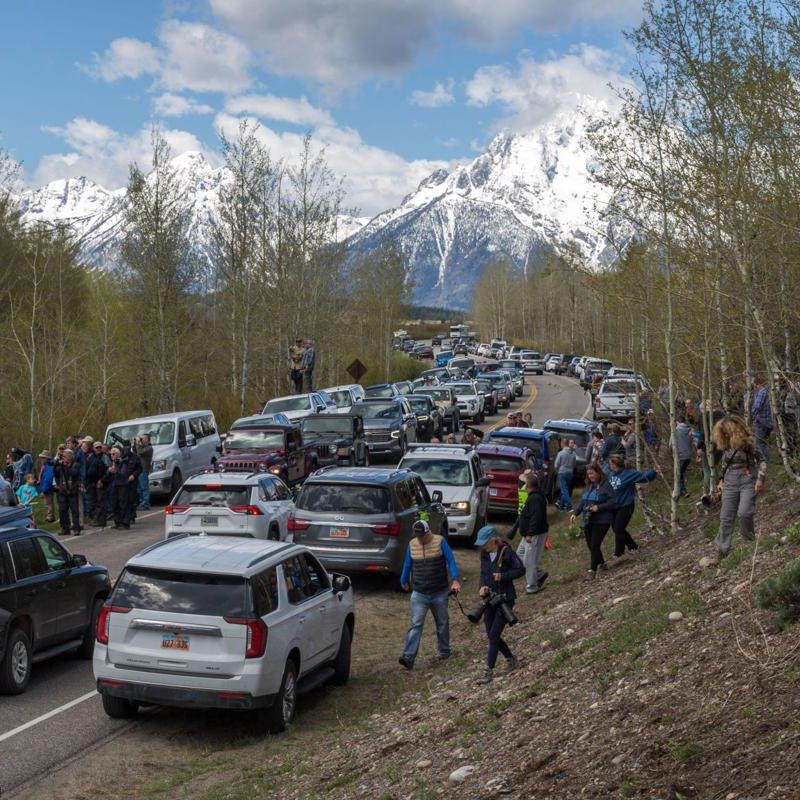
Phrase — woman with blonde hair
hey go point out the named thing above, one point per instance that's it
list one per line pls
(742, 478)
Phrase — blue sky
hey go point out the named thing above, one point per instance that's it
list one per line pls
(391, 88)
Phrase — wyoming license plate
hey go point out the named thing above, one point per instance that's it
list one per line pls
(340, 533)
(175, 641)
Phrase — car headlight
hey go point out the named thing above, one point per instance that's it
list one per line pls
(332, 448)
(423, 419)
(158, 466)
(273, 470)
(395, 434)
(462, 507)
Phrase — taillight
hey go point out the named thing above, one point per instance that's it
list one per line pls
(175, 509)
(104, 618)
(389, 529)
(597, 402)
(298, 524)
(251, 511)
(256, 635)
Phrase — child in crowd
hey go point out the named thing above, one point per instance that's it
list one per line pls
(27, 494)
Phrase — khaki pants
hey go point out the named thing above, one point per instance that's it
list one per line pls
(530, 554)
(50, 506)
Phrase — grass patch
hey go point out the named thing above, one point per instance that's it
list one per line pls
(683, 750)
(792, 533)
(781, 594)
(196, 768)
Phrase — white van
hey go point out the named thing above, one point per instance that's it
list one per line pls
(183, 442)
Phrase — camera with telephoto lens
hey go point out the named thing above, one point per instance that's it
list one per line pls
(495, 600)
(709, 500)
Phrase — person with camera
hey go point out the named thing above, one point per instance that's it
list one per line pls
(500, 567)
(427, 563)
(67, 480)
(596, 509)
(623, 481)
(743, 474)
(124, 475)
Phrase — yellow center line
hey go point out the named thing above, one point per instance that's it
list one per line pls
(531, 400)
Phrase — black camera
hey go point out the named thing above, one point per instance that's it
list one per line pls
(495, 600)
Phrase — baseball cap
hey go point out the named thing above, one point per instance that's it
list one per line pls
(421, 526)
(484, 534)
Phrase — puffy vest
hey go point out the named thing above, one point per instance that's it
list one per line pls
(429, 567)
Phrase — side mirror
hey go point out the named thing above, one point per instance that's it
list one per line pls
(483, 481)
(219, 448)
(341, 583)
(79, 561)
(437, 496)
(191, 441)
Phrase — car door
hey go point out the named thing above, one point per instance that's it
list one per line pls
(481, 492)
(411, 421)
(38, 591)
(185, 458)
(310, 609)
(284, 506)
(70, 586)
(432, 512)
(295, 456)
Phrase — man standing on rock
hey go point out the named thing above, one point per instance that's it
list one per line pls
(427, 563)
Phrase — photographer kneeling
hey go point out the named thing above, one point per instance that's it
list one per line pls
(500, 566)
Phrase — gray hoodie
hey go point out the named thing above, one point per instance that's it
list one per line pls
(685, 440)
(566, 461)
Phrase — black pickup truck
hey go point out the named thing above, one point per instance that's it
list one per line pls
(279, 449)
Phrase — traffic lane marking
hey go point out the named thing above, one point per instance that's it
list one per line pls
(48, 715)
(531, 400)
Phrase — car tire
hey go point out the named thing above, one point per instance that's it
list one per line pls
(341, 664)
(175, 484)
(119, 707)
(280, 714)
(365, 458)
(15, 669)
(86, 648)
(273, 535)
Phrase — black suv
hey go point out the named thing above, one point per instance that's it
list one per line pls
(49, 600)
(361, 520)
(339, 439)
(430, 419)
(389, 425)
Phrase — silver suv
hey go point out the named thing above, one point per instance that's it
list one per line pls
(222, 622)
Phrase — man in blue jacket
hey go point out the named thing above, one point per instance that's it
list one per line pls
(426, 566)
(623, 482)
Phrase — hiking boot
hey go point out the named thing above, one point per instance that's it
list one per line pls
(512, 664)
(406, 662)
(532, 590)
(590, 575)
(542, 578)
(486, 677)
(443, 656)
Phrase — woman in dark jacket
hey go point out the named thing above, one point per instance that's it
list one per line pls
(597, 509)
(123, 473)
(500, 566)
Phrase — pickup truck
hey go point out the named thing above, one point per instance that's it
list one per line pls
(278, 449)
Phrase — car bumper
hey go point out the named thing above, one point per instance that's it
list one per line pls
(392, 446)
(460, 526)
(182, 697)
(388, 561)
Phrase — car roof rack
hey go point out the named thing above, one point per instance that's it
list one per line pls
(464, 448)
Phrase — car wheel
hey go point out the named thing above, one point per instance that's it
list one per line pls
(280, 714)
(274, 534)
(365, 459)
(15, 671)
(119, 707)
(175, 483)
(341, 664)
(86, 649)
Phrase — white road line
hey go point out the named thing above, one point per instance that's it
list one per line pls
(48, 715)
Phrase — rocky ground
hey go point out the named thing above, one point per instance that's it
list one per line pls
(660, 680)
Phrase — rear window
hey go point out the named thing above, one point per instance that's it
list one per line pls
(299, 403)
(381, 391)
(213, 495)
(618, 387)
(182, 592)
(500, 464)
(350, 498)
(579, 437)
(534, 445)
(342, 399)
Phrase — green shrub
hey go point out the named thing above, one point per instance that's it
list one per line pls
(792, 533)
(781, 594)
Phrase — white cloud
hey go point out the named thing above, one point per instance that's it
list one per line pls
(285, 109)
(538, 90)
(374, 179)
(174, 105)
(440, 95)
(345, 42)
(103, 154)
(124, 58)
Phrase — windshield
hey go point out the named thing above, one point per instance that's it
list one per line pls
(418, 405)
(534, 445)
(300, 403)
(337, 497)
(254, 440)
(342, 399)
(581, 438)
(330, 426)
(381, 391)
(501, 464)
(445, 472)
(379, 410)
(618, 387)
(484, 386)
(213, 494)
(182, 593)
(160, 432)
(463, 388)
(439, 394)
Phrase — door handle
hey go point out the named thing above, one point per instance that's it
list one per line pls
(301, 619)
(322, 609)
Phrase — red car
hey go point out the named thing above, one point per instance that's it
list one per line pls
(503, 465)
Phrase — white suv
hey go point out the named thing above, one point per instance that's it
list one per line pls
(455, 471)
(221, 622)
(231, 504)
(470, 400)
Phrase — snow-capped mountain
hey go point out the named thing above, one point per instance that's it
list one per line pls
(526, 197)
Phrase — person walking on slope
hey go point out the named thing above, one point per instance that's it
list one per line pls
(761, 417)
(684, 438)
(500, 566)
(565, 463)
(533, 528)
(744, 470)
(425, 570)
(623, 481)
(596, 508)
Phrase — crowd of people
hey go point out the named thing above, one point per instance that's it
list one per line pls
(82, 483)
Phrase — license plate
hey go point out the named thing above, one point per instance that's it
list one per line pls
(175, 641)
(493, 492)
(209, 521)
(340, 533)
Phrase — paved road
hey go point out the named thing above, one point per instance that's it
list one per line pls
(60, 716)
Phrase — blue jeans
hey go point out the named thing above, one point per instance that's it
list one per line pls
(420, 603)
(565, 484)
(144, 490)
(762, 433)
(494, 621)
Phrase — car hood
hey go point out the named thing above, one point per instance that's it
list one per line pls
(381, 424)
(450, 494)
(248, 455)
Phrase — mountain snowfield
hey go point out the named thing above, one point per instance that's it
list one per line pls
(527, 196)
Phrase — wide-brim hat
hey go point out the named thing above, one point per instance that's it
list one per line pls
(44, 454)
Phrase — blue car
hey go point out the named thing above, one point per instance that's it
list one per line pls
(443, 358)
(580, 432)
(543, 444)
